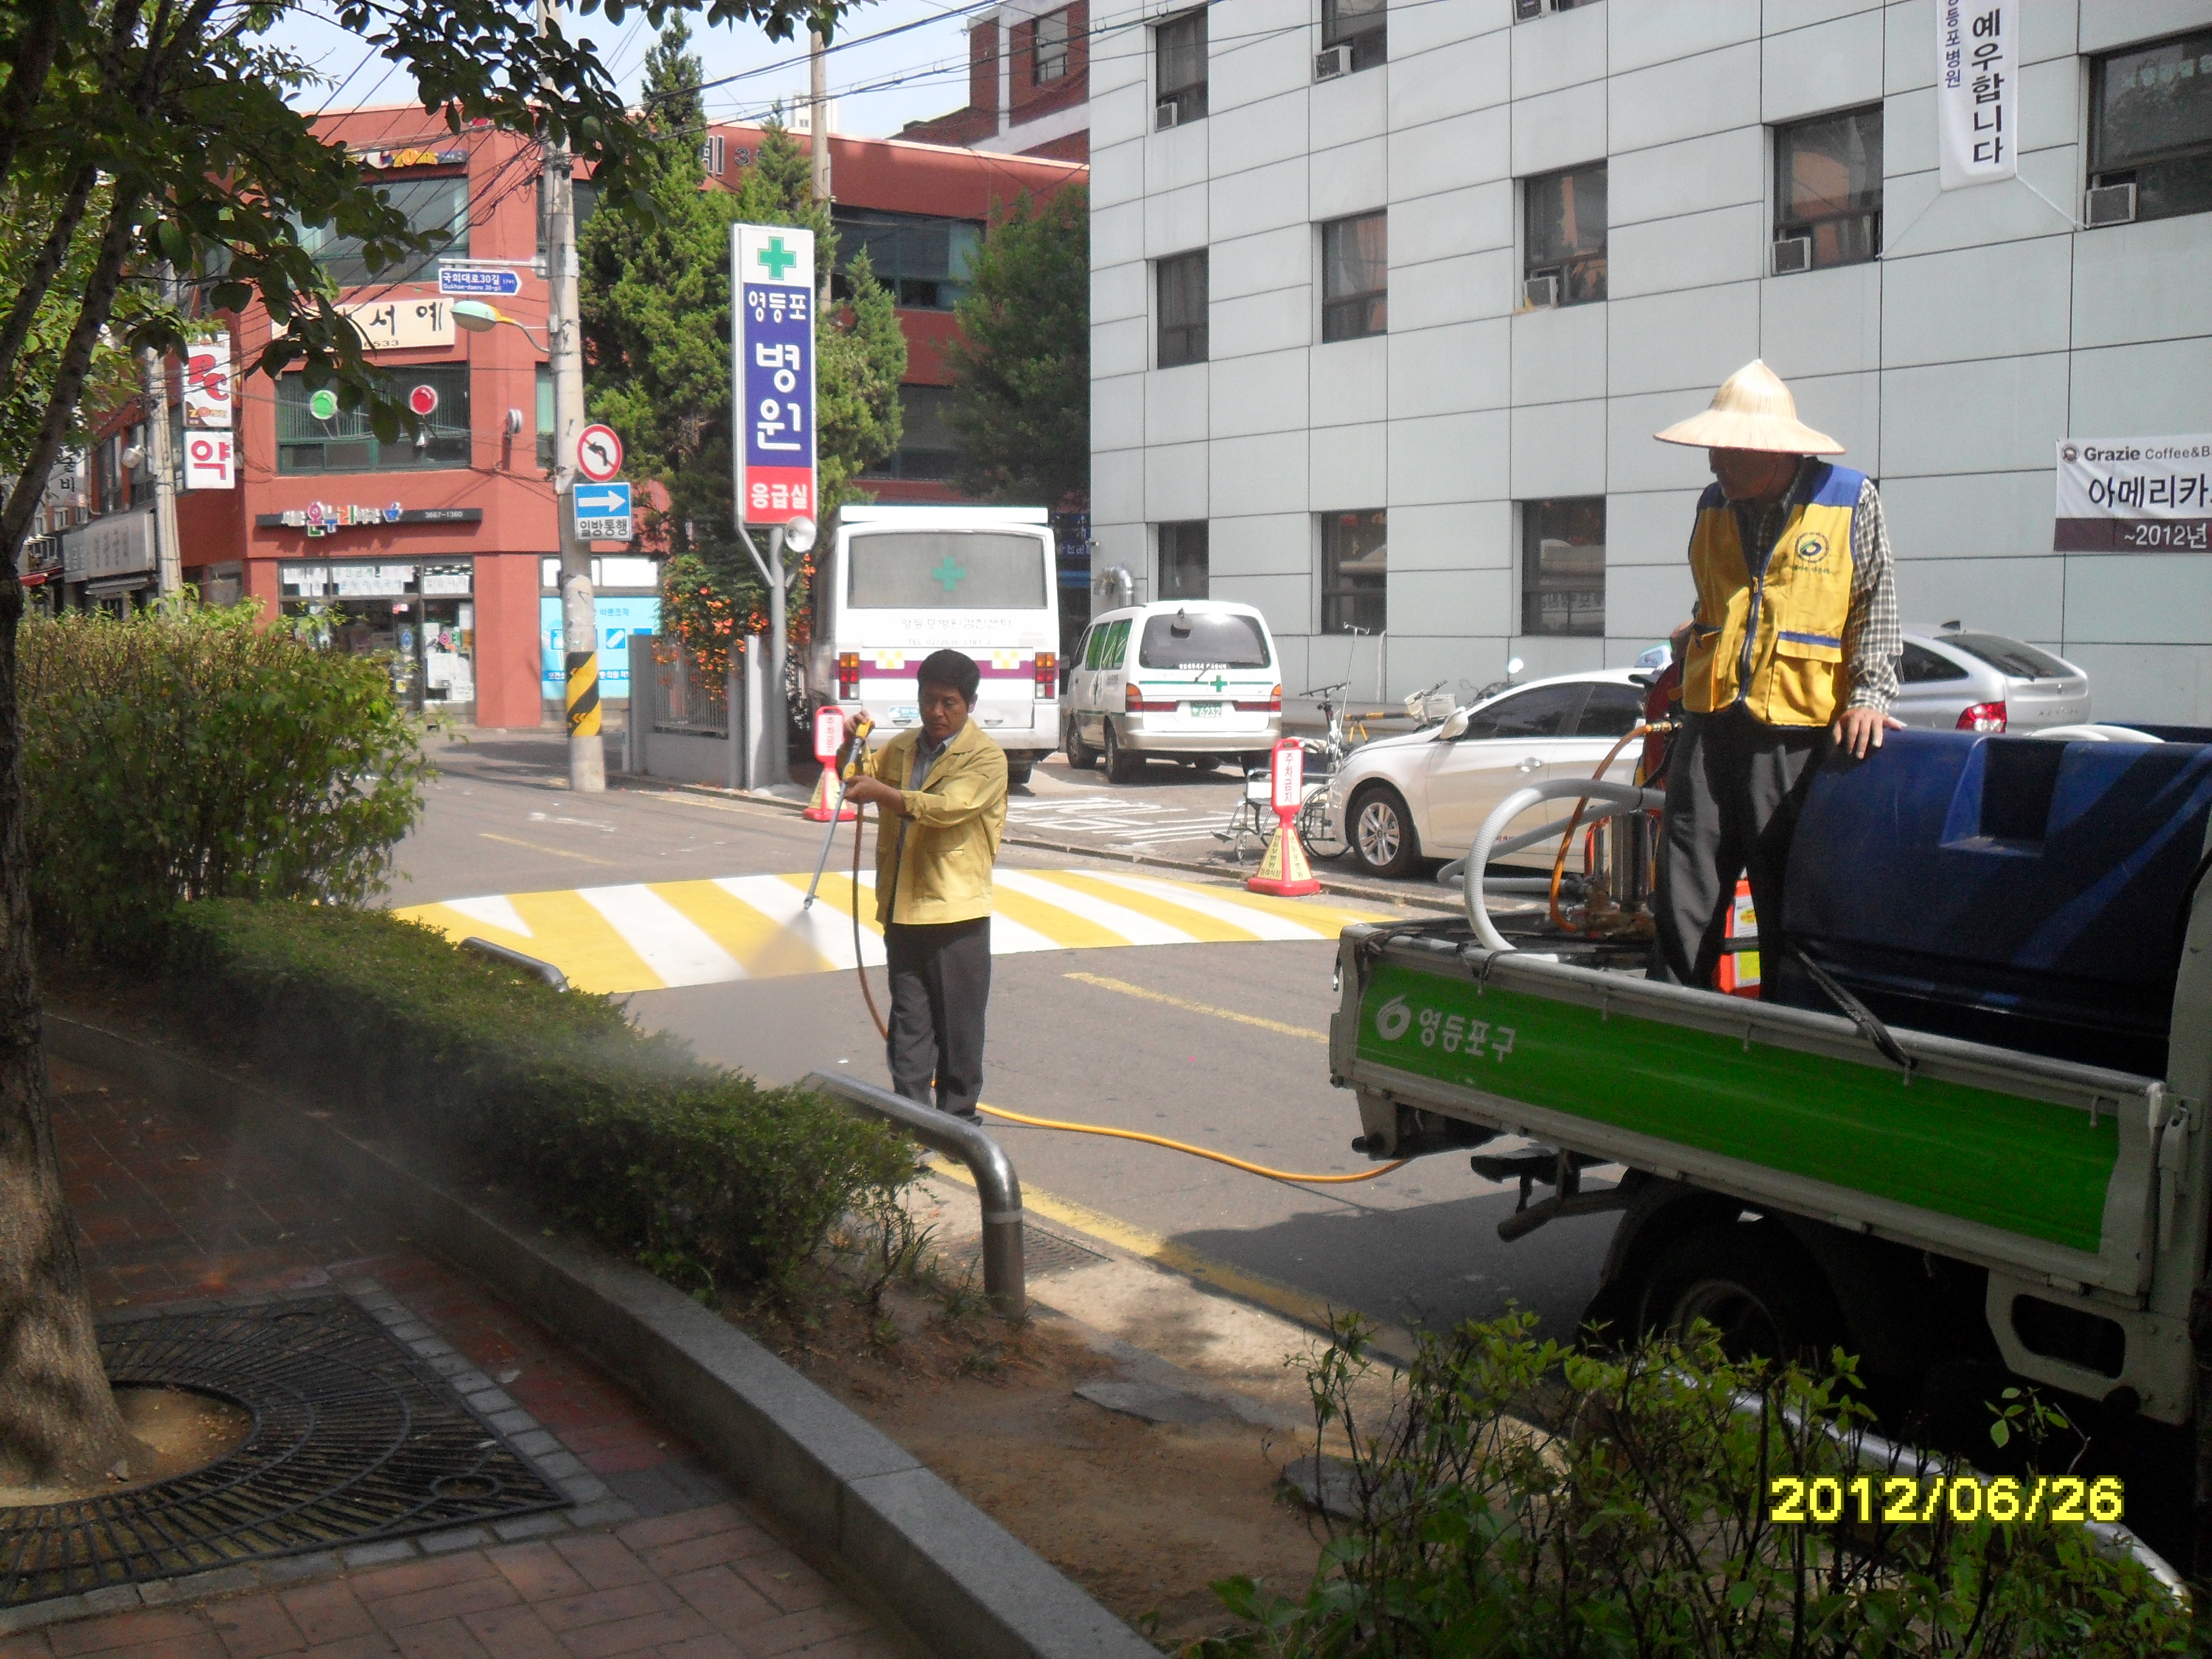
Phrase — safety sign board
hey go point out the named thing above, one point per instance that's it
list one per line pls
(599, 452)
(772, 291)
(603, 512)
(828, 733)
(477, 280)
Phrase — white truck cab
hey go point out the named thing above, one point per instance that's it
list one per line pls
(900, 581)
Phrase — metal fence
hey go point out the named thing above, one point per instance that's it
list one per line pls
(682, 697)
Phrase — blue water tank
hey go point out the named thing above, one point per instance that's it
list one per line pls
(2016, 890)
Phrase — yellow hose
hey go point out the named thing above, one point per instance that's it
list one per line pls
(1085, 1128)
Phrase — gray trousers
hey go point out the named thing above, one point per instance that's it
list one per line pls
(1734, 791)
(940, 982)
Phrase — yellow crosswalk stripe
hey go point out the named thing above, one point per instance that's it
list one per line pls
(608, 939)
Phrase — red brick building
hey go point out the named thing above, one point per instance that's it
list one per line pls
(441, 548)
(1029, 84)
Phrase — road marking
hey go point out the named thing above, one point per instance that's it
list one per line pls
(659, 935)
(1149, 995)
(555, 851)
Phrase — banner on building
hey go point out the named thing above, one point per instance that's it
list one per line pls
(396, 324)
(2135, 495)
(1977, 90)
(210, 461)
(207, 386)
(772, 292)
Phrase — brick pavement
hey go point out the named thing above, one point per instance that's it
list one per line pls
(656, 1558)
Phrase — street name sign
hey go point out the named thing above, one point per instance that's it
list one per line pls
(603, 512)
(772, 373)
(475, 282)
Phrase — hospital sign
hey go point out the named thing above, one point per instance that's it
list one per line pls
(773, 294)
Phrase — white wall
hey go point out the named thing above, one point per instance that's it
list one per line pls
(1989, 329)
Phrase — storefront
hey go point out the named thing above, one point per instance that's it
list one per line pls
(626, 596)
(107, 564)
(422, 616)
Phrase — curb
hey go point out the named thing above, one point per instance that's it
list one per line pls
(961, 1582)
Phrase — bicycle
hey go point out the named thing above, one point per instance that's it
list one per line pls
(1255, 816)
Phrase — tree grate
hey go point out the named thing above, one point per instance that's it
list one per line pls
(353, 1438)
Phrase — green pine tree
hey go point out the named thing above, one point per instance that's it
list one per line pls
(1021, 366)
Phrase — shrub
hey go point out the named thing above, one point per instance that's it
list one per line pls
(1641, 1523)
(698, 1172)
(192, 753)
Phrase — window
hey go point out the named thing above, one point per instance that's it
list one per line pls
(1049, 53)
(1612, 711)
(1354, 557)
(923, 260)
(2015, 658)
(545, 416)
(1541, 711)
(1183, 309)
(1565, 239)
(1921, 666)
(2150, 125)
(1116, 645)
(1358, 26)
(1094, 646)
(1355, 277)
(1183, 574)
(945, 570)
(437, 207)
(1212, 639)
(1528, 10)
(1563, 567)
(928, 447)
(1179, 45)
(345, 443)
(1827, 189)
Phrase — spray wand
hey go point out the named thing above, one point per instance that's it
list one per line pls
(850, 757)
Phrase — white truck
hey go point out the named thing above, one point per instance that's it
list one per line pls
(898, 582)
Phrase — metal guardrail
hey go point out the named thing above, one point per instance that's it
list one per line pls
(1005, 1280)
(544, 970)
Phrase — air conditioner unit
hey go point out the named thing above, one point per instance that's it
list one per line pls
(1792, 254)
(2109, 204)
(1165, 116)
(1525, 9)
(1542, 292)
(1327, 65)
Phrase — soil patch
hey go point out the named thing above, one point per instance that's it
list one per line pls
(182, 1430)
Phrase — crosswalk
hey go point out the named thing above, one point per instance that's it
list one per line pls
(652, 936)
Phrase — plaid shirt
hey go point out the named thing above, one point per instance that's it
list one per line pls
(1872, 640)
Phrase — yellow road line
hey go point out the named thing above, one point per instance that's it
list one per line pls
(555, 851)
(1129, 990)
(1199, 924)
(586, 945)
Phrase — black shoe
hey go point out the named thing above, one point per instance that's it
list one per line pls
(971, 1116)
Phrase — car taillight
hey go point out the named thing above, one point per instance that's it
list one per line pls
(1982, 717)
(1134, 701)
(1274, 705)
(849, 676)
(1047, 674)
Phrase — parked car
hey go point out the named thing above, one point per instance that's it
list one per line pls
(1955, 679)
(1192, 680)
(1423, 794)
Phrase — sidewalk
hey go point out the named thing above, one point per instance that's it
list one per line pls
(656, 1556)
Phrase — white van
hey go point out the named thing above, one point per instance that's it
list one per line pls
(1193, 680)
(901, 582)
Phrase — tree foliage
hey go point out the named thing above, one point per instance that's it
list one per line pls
(1022, 365)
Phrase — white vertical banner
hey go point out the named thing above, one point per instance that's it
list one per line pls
(210, 461)
(1977, 90)
(207, 384)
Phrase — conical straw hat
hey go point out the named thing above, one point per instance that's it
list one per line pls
(1752, 410)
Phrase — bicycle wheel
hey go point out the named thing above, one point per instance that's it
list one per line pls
(1313, 828)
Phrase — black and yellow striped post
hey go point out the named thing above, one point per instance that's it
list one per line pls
(583, 694)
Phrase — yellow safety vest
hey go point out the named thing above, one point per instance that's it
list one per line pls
(1771, 638)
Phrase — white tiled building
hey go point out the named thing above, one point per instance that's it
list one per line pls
(1443, 478)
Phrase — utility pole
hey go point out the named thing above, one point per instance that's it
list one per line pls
(168, 559)
(580, 625)
(817, 122)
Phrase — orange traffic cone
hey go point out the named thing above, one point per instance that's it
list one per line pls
(1283, 870)
(1738, 974)
(828, 787)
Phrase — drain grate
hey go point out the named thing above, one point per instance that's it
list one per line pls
(1042, 1253)
(353, 1438)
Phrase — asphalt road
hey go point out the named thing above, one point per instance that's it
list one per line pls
(1218, 1044)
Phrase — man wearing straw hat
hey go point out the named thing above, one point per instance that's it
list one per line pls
(1791, 659)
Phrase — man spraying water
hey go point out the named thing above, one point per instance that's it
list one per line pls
(942, 793)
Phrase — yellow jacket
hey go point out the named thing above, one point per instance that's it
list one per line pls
(940, 870)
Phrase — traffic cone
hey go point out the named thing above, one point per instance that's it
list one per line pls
(828, 786)
(1283, 870)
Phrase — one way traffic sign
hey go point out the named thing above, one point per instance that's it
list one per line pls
(603, 512)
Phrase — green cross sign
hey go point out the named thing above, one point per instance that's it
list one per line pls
(1220, 685)
(949, 572)
(777, 257)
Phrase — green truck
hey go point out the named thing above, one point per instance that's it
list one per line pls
(1968, 1140)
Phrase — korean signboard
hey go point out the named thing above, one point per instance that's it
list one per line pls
(1977, 90)
(207, 385)
(210, 462)
(772, 288)
(2135, 495)
(400, 324)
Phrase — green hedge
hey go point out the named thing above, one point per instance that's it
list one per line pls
(699, 1174)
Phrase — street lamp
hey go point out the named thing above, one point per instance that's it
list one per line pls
(478, 317)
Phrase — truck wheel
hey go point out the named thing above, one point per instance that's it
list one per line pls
(1752, 1284)
(1122, 766)
(1380, 831)
(1080, 755)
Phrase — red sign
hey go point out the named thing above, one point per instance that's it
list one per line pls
(600, 454)
(829, 733)
(1290, 777)
(424, 400)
